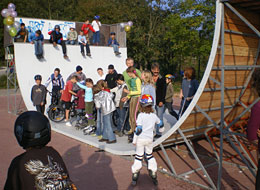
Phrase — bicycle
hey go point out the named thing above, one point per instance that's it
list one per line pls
(56, 111)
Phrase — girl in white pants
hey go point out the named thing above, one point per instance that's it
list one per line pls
(143, 138)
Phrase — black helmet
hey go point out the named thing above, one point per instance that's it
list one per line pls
(37, 77)
(57, 27)
(32, 129)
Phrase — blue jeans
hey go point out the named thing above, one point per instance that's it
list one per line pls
(107, 128)
(38, 47)
(115, 47)
(121, 119)
(96, 37)
(71, 42)
(160, 111)
(99, 130)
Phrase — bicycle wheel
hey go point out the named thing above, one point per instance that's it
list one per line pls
(115, 118)
(56, 113)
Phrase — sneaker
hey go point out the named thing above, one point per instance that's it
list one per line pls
(54, 44)
(68, 124)
(65, 56)
(103, 140)
(88, 54)
(111, 142)
(118, 53)
(82, 53)
(94, 135)
(99, 137)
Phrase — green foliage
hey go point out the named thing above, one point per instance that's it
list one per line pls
(173, 33)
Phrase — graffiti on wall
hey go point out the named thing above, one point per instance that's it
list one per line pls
(45, 26)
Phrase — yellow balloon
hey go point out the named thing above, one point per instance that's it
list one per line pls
(127, 28)
(9, 20)
(13, 31)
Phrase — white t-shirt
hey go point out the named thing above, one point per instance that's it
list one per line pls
(148, 122)
(95, 25)
(101, 77)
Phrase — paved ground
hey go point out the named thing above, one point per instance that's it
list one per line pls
(88, 168)
(95, 170)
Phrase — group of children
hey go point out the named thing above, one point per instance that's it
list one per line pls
(56, 37)
(136, 94)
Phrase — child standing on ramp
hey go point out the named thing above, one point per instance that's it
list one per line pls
(143, 139)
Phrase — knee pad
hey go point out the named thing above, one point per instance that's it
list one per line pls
(139, 157)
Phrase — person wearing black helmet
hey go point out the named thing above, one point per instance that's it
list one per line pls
(112, 42)
(57, 38)
(40, 166)
(38, 94)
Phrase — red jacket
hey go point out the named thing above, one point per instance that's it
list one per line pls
(86, 27)
(80, 102)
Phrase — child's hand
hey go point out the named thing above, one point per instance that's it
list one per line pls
(42, 103)
(124, 99)
(126, 91)
(32, 42)
(134, 144)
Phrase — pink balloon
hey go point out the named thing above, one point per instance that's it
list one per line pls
(5, 13)
(13, 14)
(130, 23)
(11, 6)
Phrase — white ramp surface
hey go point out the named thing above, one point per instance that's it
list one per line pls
(27, 65)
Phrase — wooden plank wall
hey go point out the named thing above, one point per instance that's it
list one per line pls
(239, 50)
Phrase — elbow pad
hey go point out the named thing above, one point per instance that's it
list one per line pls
(138, 130)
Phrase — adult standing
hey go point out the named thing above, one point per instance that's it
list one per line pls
(253, 126)
(189, 88)
(81, 77)
(111, 77)
(130, 63)
(160, 84)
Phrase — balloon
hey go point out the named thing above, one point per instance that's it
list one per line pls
(9, 20)
(130, 23)
(11, 6)
(122, 25)
(8, 27)
(13, 14)
(17, 25)
(127, 28)
(13, 31)
(5, 13)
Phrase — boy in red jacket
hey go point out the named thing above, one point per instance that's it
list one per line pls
(86, 27)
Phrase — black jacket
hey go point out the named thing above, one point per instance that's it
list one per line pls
(55, 37)
(111, 80)
(38, 167)
(160, 90)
